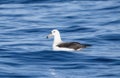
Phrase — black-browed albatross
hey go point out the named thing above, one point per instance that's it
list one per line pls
(59, 45)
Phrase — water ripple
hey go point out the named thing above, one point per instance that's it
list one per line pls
(26, 53)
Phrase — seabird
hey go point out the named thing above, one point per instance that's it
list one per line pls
(59, 45)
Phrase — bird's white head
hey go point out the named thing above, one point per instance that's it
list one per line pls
(54, 32)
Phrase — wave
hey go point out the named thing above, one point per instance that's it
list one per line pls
(110, 37)
(29, 1)
(39, 1)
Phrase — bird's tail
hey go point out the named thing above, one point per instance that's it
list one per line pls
(86, 45)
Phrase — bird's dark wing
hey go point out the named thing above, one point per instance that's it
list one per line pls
(73, 45)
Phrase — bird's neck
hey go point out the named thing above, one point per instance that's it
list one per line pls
(57, 39)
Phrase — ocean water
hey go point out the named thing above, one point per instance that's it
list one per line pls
(26, 53)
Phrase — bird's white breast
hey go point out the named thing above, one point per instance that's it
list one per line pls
(56, 48)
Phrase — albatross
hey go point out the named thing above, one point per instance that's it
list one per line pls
(59, 45)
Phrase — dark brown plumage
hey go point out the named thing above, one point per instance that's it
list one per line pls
(72, 45)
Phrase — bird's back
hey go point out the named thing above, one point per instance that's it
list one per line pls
(73, 45)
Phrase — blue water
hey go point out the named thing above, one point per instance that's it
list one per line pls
(26, 53)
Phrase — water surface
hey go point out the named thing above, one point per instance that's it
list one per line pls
(26, 53)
